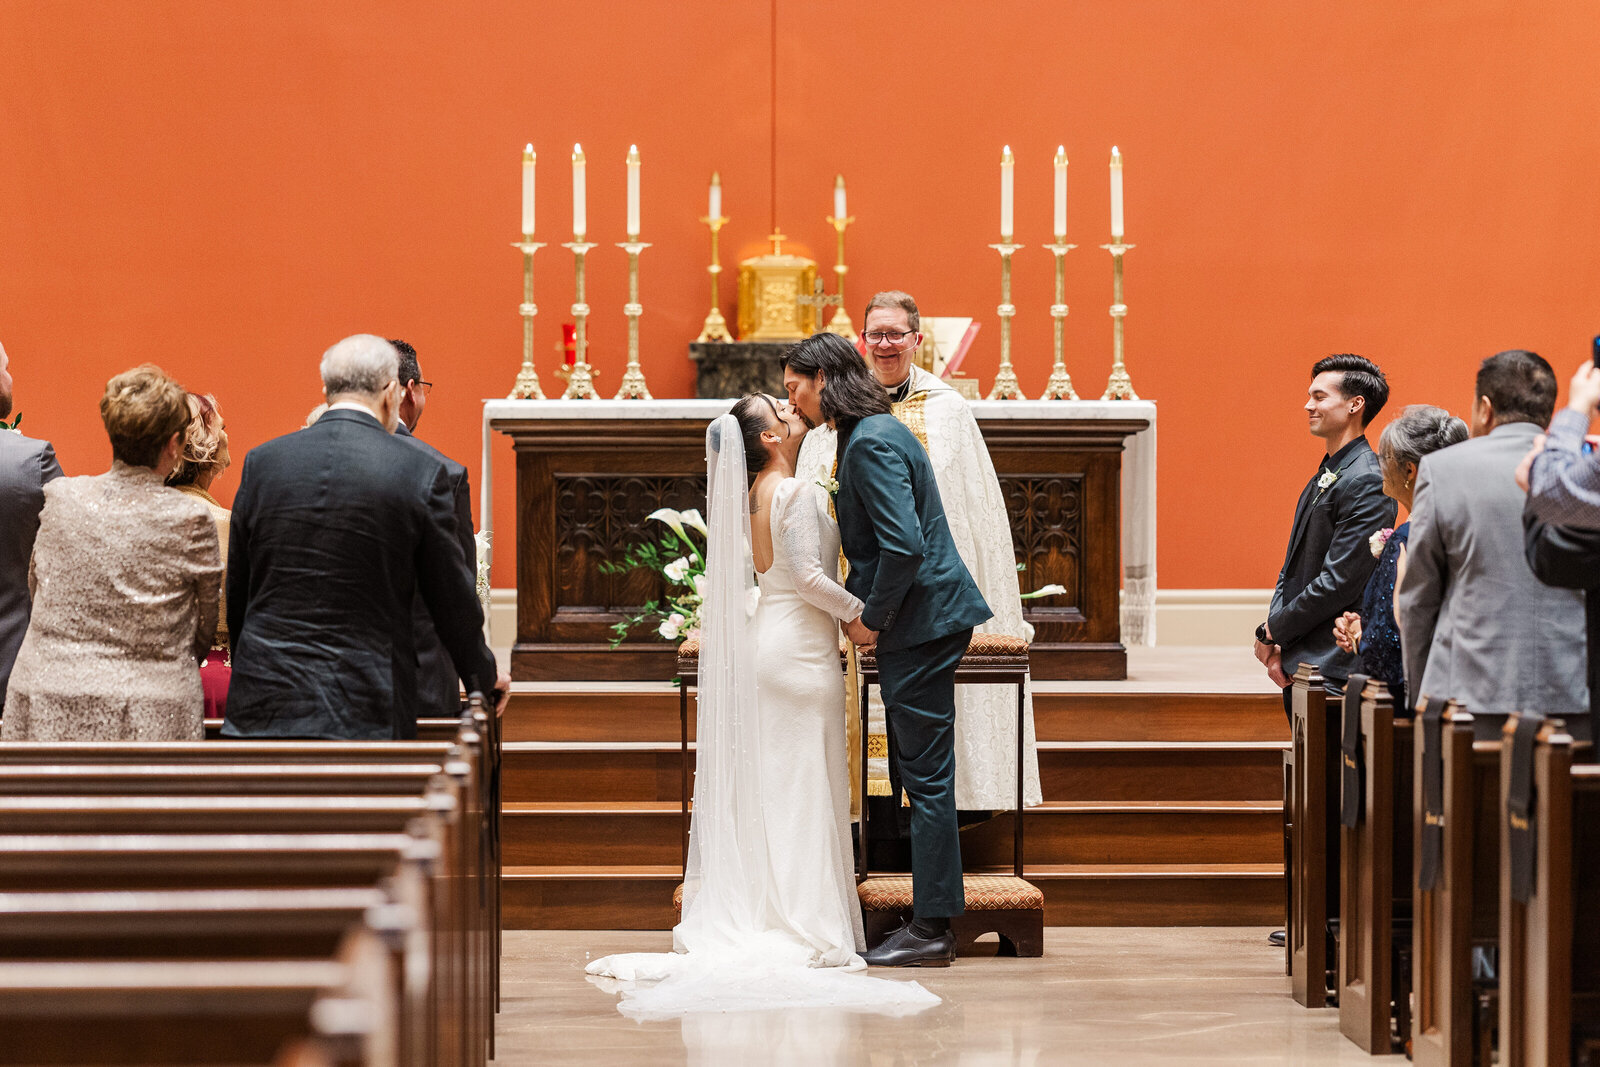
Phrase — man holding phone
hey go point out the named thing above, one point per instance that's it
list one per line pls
(1563, 483)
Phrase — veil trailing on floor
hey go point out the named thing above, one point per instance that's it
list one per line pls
(732, 950)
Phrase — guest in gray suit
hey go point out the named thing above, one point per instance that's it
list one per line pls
(25, 466)
(1476, 625)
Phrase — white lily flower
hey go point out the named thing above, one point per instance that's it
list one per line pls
(700, 586)
(677, 570)
(671, 626)
(693, 519)
(1048, 590)
(672, 517)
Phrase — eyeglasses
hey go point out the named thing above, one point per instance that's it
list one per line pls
(427, 387)
(894, 337)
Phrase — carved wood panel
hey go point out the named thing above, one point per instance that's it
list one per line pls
(598, 518)
(1046, 512)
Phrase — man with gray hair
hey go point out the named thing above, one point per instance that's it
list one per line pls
(334, 527)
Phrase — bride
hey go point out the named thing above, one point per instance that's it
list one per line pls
(770, 914)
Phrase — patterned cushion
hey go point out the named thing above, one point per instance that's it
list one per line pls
(690, 649)
(997, 645)
(677, 899)
(985, 892)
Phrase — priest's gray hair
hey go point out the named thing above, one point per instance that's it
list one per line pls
(1416, 431)
(363, 364)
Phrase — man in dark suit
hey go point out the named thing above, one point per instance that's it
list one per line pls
(25, 466)
(334, 528)
(438, 691)
(1568, 557)
(920, 606)
(1329, 560)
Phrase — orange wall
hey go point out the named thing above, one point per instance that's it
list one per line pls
(227, 188)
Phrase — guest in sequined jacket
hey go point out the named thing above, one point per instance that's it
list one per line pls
(126, 579)
(1374, 634)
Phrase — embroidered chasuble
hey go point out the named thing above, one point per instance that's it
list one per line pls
(986, 715)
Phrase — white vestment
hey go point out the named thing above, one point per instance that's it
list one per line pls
(986, 715)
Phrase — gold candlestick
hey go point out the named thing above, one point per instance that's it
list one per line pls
(715, 327)
(633, 387)
(1006, 386)
(526, 387)
(840, 323)
(1120, 385)
(1059, 387)
(580, 376)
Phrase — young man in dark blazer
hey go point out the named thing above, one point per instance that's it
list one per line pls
(438, 691)
(1329, 558)
(333, 528)
(920, 606)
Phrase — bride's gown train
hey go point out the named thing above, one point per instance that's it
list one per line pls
(770, 916)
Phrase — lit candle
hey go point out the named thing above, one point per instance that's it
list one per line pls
(633, 192)
(714, 211)
(580, 215)
(838, 197)
(1061, 194)
(1007, 166)
(528, 159)
(1116, 194)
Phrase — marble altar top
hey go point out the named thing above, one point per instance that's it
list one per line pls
(496, 410)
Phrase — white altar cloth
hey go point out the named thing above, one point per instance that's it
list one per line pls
(1138, 470)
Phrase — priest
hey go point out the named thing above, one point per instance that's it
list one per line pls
(986, 715)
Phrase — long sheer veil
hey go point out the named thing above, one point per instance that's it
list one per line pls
(732, 951)
(726, 885)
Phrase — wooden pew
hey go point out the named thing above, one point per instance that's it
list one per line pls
(1375, 870)
(1314, 839)
(309, 803)
(202, 1011)
(1454, 1015)
(290, 767)
(1549, 940)
(251, 924)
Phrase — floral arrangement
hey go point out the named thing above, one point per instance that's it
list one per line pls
(678, 559)
(1378, 540)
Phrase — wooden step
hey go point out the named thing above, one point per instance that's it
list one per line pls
(1158, 894)
(635, 833)
(648, 711)
(587, 772)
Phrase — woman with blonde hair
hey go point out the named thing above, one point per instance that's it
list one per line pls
(205, 456)
(125, 579)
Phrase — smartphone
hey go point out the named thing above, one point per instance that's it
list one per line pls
(1594, 351)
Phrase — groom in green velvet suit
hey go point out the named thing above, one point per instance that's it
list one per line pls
(920, 608)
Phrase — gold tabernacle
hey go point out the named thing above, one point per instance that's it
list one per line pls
(770, 287)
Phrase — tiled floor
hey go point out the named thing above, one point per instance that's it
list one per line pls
(1124, 997)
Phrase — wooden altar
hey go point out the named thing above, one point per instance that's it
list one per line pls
(588, 473)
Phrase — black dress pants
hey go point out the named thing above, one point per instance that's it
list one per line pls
(919, 699)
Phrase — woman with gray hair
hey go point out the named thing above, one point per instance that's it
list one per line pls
(1375, 633)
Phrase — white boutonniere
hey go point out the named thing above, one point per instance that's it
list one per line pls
(1327, 479)
(829, 486)
(15, 425)
(1378, 540)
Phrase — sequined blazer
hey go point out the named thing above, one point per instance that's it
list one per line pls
(126, 579)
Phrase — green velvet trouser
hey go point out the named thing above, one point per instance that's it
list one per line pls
(919, 697)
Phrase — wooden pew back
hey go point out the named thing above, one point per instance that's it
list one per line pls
(1314, 839)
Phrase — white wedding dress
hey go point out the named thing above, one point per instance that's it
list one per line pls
(770, 914)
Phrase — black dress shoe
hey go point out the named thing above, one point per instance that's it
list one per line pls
(903, 948)
(1278, 938)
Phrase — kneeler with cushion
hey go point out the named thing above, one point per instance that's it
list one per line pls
(1007, 905)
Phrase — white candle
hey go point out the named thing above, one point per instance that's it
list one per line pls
(714, 211)
(528, 159)
(838, 197)
(580, 214)
(1116, 194)
(633, 192)
(1007, 167)
(1061, 194)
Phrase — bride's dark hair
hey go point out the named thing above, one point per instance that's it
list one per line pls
(755, 412)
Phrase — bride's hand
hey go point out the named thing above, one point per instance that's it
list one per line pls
(864, 639)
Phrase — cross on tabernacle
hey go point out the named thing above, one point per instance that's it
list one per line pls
(817, 300)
